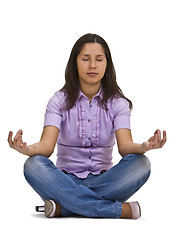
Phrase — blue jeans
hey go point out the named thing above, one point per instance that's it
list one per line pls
(99, 195)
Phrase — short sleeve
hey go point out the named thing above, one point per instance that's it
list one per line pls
(121, 114)
(53, 115)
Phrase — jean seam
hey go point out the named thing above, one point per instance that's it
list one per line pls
(119, 210)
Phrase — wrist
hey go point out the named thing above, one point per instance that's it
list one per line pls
(31, 151)
(143, 149)
(35, 149)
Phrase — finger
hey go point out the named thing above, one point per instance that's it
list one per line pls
(150, 146)
(155, 142)
(18, 134)
(24, 145)
(24, 148)
(164, 139)
(10, 139)
(147, 145)
(157, 131)
(19, 142)
(159, 136)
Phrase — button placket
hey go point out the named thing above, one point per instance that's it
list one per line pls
(90, 161)
(95, 124)
(89, 123)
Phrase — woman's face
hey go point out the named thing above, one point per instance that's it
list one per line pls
(91, 64)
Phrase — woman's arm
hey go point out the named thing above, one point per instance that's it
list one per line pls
(127, 146)
(45, 147)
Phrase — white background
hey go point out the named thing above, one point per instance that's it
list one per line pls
(36, 38)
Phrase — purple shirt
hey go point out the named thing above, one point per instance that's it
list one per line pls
(87, 132)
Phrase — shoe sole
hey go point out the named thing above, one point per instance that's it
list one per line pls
(136, 210)
(50, 208)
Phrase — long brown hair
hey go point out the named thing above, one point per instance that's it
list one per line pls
(108, 82)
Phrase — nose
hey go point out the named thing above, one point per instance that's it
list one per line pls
(92, 65)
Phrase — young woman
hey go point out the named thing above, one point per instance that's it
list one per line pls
(84, 118)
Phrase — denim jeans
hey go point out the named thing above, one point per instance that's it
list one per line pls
(99, 195)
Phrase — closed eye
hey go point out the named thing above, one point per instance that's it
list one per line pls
(99, 60)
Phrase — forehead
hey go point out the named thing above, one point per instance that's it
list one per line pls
(92, 49)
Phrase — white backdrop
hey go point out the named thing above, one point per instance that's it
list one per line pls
(36, 38)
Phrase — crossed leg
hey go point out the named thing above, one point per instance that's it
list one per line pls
(102, 197)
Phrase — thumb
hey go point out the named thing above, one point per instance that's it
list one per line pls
(147, 145)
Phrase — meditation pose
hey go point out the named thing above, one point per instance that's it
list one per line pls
(84, 119)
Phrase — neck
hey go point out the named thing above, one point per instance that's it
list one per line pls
(90, 91)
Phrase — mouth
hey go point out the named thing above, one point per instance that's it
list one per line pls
(92, 74)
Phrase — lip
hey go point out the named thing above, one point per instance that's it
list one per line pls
(92, 74)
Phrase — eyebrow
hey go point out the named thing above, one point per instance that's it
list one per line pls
(87, 55)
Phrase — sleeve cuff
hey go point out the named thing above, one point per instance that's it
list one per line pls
(122, 121)
(52, 119)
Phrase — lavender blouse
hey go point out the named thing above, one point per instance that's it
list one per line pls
(87, 132)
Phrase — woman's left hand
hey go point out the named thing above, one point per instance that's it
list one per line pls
(155, 141)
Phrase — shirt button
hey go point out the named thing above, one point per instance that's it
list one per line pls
(89, 138)
(90, 105)
(89, 120)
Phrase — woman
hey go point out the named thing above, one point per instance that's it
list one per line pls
(84, 118)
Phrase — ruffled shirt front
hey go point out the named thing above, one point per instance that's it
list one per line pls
(87, 132)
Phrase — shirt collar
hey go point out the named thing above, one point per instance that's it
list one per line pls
(99, 94)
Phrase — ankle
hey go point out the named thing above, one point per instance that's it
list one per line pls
(131, 210)
(126, 211)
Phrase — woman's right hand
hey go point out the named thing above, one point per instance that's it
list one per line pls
(17, 142)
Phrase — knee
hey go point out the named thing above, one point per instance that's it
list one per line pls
(31, 165)
(141, 163)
